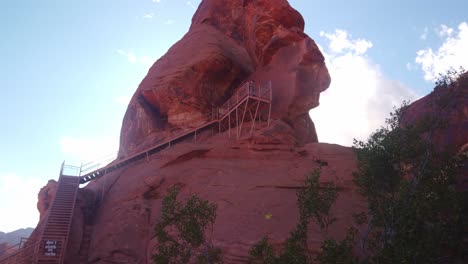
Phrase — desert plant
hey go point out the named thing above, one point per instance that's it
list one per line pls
(181, 231)
(414, 210)
(414, 215)
(314, 201)
(450, 77)
(338, 252)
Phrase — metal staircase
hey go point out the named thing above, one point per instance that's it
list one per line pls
(51, 248)
(55, 236)
(233, 113)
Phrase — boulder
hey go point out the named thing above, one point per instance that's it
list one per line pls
(46, 197)
(229, 43)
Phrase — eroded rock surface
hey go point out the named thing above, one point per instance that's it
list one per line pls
(6, 249)
(253, 181)
(248, 180)
(229, 42)
(446, 111)
(46, 197)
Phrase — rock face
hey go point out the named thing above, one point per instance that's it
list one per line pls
(45, 197)
(6, 249)
(253, 182)
(449, 106)
(248, 180)
(229, 42)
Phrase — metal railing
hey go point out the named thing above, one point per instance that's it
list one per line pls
(97, 164)
(247, 89)
(85, 167)
(4, 253)
(25, 254)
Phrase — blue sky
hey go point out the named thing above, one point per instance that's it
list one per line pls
(69, 67)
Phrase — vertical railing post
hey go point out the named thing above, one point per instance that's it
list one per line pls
(271, 101)
(271, 93)
(61, 168)
(81, 167)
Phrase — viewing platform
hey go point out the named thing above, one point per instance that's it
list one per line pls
(250, 102)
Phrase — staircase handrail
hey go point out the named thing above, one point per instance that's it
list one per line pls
(238, 96)
(13, 258)
(97, 163)
(15, 247)
(23, 241)
(245, 90)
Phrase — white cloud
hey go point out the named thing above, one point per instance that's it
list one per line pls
(148, 16)
(339, 42)
(19, 201)
(360, 97)
(453, 52)
(145, 60)
(157, 1)
(444, 31)
(424, 34)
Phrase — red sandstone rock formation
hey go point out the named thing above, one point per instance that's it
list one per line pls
(449, 107)
(45, 197)
(247, 180)
(6, 249)
(228, 43)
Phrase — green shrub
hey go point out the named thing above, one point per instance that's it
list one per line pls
(181, 231)
(314, 201)
(415, 212)
(333, 252)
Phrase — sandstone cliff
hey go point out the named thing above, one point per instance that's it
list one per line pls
(447, 110)
(449, 106)
(246, 179)
(229, 42)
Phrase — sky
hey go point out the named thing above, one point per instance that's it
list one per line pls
(69, 68)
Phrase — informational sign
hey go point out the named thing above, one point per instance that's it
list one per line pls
(50, 248)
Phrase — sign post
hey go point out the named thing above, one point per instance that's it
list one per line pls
(50, 248)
